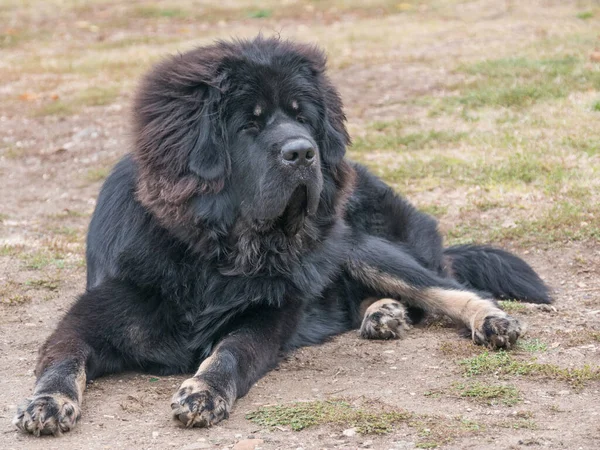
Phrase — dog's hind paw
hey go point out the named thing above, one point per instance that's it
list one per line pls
(385, 319)
(196, 404)
(498, 332)
(47, 414)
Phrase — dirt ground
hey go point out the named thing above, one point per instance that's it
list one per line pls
(484, 113)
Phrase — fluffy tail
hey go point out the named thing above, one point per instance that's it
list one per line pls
(498, 272)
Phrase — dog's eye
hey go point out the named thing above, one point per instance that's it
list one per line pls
(251, 127)
(300, 119)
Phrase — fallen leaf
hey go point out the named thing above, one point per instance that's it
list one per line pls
(247, 444)
(28, 96)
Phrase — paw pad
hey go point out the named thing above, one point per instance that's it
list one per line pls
(498, 332)
(385, 319)
(47, 414)
(196, 404)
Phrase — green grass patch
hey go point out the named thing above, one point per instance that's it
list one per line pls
(434, 210)
(16, 299)
(520, 82)
(429, 172)
(301, 415)
(489, 393)
(523, 163)
(71, 234)
(565, 221)
(67, 214)
(520, 167)
(11, 39)
(513, 306)
(532, 345)
(395, 139)
(154, 12)
(591, 146)
(92, 96)
(502, 363)
(49, 284)
(11, 250)
(97, 174)
(570, 220)
(97, 96)
(585, 15)
(518, 424)
(260, 14)
(56, 108)
(40, 259)
(596, 106)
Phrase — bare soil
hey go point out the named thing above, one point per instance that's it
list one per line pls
(51, 169)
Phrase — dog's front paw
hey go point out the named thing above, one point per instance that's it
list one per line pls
(385, 319)
(47, 414)
(196, 404)
(498, 332)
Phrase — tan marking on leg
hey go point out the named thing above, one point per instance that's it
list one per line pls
(464, 306)
(211, 363)
(205, 365)
(197, 404)
(81, 381)
(379, 303)
(364, 305)
(380, 281)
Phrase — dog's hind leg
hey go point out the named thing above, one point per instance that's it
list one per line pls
(390, 271)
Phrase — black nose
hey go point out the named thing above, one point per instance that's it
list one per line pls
(298, 152)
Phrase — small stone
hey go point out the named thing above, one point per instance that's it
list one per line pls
(247, 444)
(155, 434)
(197, 446)
(349, 432)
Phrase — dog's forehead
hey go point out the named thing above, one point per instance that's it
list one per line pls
(259, 87)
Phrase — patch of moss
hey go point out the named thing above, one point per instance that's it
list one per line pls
(502, 363)
(302, 415)
(490, 394)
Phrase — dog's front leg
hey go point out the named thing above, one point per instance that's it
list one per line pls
(55, 405)
(243, 356)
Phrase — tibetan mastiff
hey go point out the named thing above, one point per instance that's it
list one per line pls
(236, 231)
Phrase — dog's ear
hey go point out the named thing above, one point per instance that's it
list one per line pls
(334, 135)
(176, 119)
(208, 157)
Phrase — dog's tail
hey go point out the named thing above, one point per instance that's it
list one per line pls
(498, 272)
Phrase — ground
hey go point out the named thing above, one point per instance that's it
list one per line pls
(484, 113)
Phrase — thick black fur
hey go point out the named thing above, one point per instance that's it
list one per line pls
(203, 242)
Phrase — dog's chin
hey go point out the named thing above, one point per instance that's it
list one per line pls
(289, 212)
(295, 212)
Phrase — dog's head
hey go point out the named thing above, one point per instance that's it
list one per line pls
(250, 130)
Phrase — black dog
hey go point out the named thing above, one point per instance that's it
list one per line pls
(237, 230)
